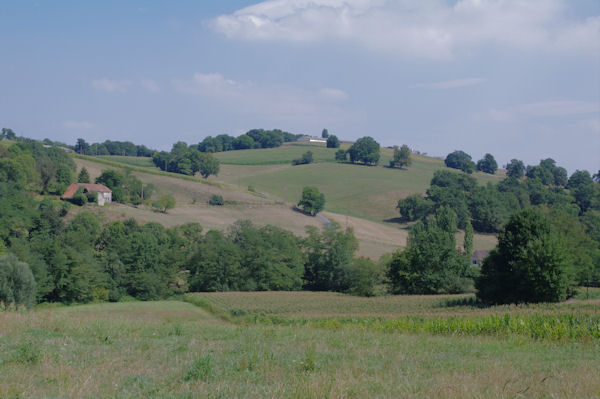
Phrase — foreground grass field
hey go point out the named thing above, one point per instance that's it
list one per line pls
(175, 349)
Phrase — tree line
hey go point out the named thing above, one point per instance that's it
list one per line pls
(254, 138)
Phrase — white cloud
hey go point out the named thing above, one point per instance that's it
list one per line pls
(77, 125)
(432, 29)
(333, 94)
(270, 101)
(451, 84)
(558, 108)
(149, 85)
(111, 86)
(209, 84)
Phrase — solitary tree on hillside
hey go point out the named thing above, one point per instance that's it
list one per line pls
(84, 176)
(164, 203)
(365, 150)
(515, 168)
(487, 164)
(333, 142)
(401, 157)
(324, 134)
(312, 200)
(460, 160)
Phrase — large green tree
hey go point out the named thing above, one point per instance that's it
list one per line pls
(487, 164)
(430, 264)
(401, 157)
(460, 160)
(530, 263)
(365, 150)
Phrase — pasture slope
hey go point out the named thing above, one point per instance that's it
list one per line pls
(361, 197)
(299, 345)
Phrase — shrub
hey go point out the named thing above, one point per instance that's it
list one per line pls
(17, 284)
(79, 198)
(341, 155)
(312, 200)
(216, 199)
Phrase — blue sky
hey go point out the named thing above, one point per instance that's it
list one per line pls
(518, 79)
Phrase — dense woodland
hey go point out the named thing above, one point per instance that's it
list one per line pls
(548, 226)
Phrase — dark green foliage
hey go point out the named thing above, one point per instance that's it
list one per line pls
(216, 266)
(401, 157)
(327, 253)
(361, 277)
(333, 142)
(187, 160)
(306, 158)
(125, 187)
(17, 284)
(583, 251)
(488, 209)
(79, 198)
(341, 156)
(487, 164)
(216, 199)
(8, 134)
(414, 207)
(271, 257)
(453, 198)
(548, 173)
(365, 150)
(84, 176)
(515, 168)
(460, 160)
(109, 147)
(243, 142)
(324, 134)
(268, 138)
(530, 263)
(312, 200)
(430, 264)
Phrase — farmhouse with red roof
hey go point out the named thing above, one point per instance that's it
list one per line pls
(104, 193)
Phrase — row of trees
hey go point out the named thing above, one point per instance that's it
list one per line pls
(186, 160)
(255, 138)
(109, 147)
(489, 207)
(462, 161)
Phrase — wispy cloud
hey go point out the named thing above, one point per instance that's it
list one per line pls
(149, 85)
(542, 109)
(77, 125)
(277, 102)
(110, 85)
(333, 94)
(450, 84)
(430, 29)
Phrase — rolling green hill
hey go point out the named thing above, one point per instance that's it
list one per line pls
(368, 192)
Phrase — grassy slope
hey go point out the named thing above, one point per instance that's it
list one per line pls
(362, 191)
(362, 197)
(174, 349)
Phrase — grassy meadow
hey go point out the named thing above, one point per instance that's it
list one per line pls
(173, 349)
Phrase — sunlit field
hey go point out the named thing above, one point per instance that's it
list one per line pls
(175, 349)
